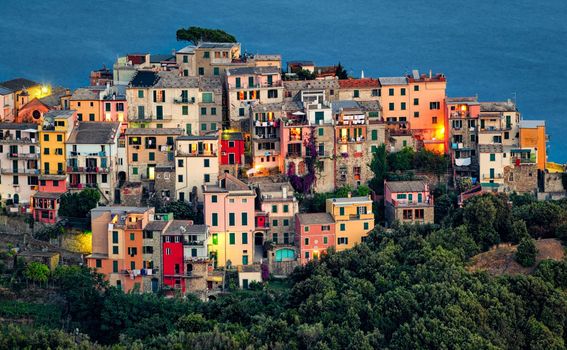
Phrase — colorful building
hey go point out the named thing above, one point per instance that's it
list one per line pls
(532, 135)
(353, 218)
(119, 248)
(196, 165)
(314, 234)
(8, 105)
(87, 102)
(26, 90)
(229, 213)
(232, 148)
(364, 89)
(19, 162)
(146, 149)
(92, 150)
(408, 202)
(463, 115)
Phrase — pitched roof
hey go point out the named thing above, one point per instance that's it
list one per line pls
(5, 91)
(369, 106)
(156, 131)
(350, 200)
(48, 195)
(344, 104)
(18, 126)
(232, 136)
(64, 113)
(406, 186)
(18, 84)
(311, 84)
(86, 94)
(197, 137)
(157, 58)
(393, 81)
(466, 100)
(213, 45)
(187, 49)
(170, 79)
(55, 98)
(144, 78)
(185, 227)
(315, 218)
(253, 70)
(94, 133)
(156, 225)
(531, 123)
(503, 106)
(359, 83)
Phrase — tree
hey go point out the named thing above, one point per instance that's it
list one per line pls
(36, 272)
(526, 253)
(198, 34)
(304, 74)
(379, 167)
(78, 205)
(402, 160)
(341, 72)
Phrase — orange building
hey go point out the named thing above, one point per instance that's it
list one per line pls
(87, 103)
(418, 100)
(120, 248)
(532, 135)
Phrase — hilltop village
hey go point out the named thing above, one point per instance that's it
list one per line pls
(210, 159)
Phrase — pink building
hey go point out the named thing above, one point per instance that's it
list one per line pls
(229, 213)
(408, 202)
(114, 106)
(314, 234)
(294, 137)
(45, 203)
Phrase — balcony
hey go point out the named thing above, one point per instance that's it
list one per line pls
(264, 123)
(184, 100)
(24, 156)
(89, 170)
(196, 154)
(412, 203)
(20, 171)
(11, 140)
(87, 154)
(463, 161)
(148, 118)
(493, 177)
(194, 243)
(523, 161)
(134, 225)
(351, 140)
(256, 85)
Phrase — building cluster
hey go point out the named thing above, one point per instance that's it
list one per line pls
(224, 131)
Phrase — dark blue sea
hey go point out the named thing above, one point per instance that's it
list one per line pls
(496, 49)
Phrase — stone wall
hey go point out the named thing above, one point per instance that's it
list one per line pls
(521, 179)
(198, 283)
(553, 182)
(165, 184)
(131, 195)
(396, 214)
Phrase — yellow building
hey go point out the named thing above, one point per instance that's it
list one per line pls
(353, 220)
(87, 103)
(532, 135)
(53, 133)
(26, 90)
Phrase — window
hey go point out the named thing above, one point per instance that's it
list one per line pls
(356, 94)
(286, 222)
(274, 208)
(343, 227)
(403, 106)
(275, 223)
(140, 93)
(434, 105)
(115, 237)
(341, 211)
(416, 88)
(231, 238)
(180, 163)
(206, 54)
(241, 112)
(115, 249)
(366, 226)
(207, 178)
(286, 208)
(244, 259)
(375, 92)
(91, 117)
(391, 106)
(185, 59)
(492, 157)
(321, 131)
(185, 110)
(403, 91)
(306, 241)
(272, 93)
(215, 219)
(306, 228)
(244, 238)
(286, 237)
(407, 214)
(326, 228)
(45, 137)
(216, 71)
(104, 178)
(206, 163)
(213, 111)
(152, 156)
(179, 178)
(231, 219)
(244, 217)
(115, 267)
(416, 101)
(433, 120)
(215, 238)
(374, 135)
(342, 240)
(201, 71)
(134, 171)
(275, 238)
(134, 157)
(306, 255)
(214, 198)
(391, 92)
(419, 214)
(132, 236)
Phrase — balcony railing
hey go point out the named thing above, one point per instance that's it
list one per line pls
(350, 140)
(412, 203)
(134, 225)
(493, 177)
(521, 160)
(184, 100)
(196, 154)
(148, 118)
(11, 140)
(194, 243)
(22, 171)
(264, 123)
(256, 85)
(26, 156)
(92, 170)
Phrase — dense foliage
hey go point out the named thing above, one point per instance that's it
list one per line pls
(198, 34)
(79, 204)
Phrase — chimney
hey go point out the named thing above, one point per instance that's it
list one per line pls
(430, 74)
